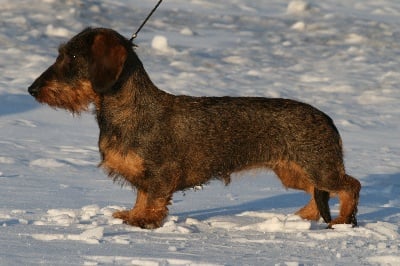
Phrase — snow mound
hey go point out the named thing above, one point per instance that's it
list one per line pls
(299, 26)
(6, 160)
(160, 44)
(89, 236)
(58, 31)
(187, 31)
(384, 260)
(297, 7)
(171, 225)
(261, 222)
(121, 260)
(47, 163)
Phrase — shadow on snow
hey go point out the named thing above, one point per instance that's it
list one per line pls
(16, 103)
(379, 201)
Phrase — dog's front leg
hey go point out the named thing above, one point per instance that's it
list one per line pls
(149, 211)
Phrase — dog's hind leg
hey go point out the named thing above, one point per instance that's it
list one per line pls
(348, 194)
(322, 201)
(310, 211)
(293, 176)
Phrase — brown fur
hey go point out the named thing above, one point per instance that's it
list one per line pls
(147, 212)
(131, 166)
(161, 143)
(77, 99)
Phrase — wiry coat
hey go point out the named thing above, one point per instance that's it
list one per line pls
(161, 143)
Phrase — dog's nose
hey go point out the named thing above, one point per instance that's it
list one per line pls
(33, 90)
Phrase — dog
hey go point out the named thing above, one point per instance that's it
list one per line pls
(162, 143)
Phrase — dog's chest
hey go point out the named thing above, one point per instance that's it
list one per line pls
(115, 162)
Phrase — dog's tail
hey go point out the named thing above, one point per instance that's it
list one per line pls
(322, 199)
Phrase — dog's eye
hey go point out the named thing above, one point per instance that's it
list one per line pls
(72, 59)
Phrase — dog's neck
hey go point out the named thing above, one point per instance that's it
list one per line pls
(135, 82)
(135, 102)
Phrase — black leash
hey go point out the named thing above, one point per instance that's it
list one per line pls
(144, 22)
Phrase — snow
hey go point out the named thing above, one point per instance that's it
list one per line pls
(297, 6)
(340, 56)
(160, 43)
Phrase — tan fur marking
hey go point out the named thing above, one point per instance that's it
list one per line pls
(310, 211)
(75, 99)
(348, 198)
(147, 213)
(130, 166)
(293, 176)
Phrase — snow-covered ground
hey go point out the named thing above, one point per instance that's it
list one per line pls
(341, 56)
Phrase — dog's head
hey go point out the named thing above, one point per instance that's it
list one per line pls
(87, 66)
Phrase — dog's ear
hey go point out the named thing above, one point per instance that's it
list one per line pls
(107, 61)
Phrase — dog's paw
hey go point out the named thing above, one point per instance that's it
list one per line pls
(352, 220)
(144, 223)
(123, 215)
(149, 221)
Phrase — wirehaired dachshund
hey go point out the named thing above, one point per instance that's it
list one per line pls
(162, 143)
